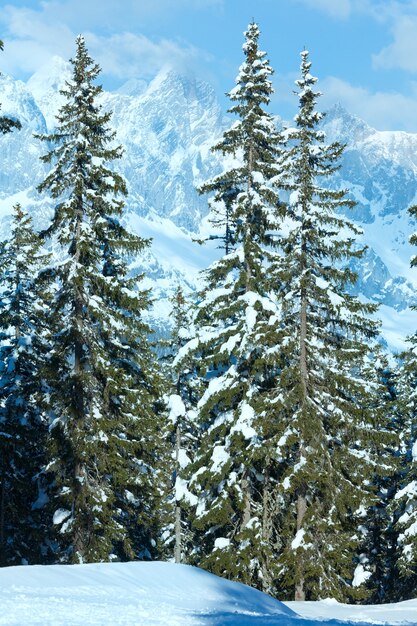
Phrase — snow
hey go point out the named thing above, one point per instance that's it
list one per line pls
(182, 492)
(360, 575)
(388, 614)
(219, 457)
(176, 407)
(243, 423)
(414, 451)
(298, 540)
(221, 543)
(60, 515)
(163, 594)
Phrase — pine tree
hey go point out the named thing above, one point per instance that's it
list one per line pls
(23, 427)
(7, 124)
(181, 428)
(229, 354)
(405, 501)
(104, 385)
(326, 394)
(378, 532)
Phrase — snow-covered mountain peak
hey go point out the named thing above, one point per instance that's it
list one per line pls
(167, 128)
(51, 75)
(45, 85)
(18, 102)
(340, 125)
(133, 87)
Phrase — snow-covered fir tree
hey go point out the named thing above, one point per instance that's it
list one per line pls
(104, 387)
(405, 501)
(234, 537)
(23, 428)
(325, 395)
(181, 427)
(7, 123)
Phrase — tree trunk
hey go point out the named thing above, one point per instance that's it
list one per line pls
(301, 511)
(267, 523)
(301, 498)
(80, 540)
(247, 503)
(178, 534)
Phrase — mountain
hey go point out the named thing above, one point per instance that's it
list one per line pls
(167, 128)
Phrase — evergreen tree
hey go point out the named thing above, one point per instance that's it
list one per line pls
(378, 532)
(325, 397)
(23, 428)
(7, 124)
(229, 354)
(104, 385)
(405, 501)
(182, 429)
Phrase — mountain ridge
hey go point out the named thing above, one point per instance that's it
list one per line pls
(167, 128)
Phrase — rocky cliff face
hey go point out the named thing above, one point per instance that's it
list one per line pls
(167, 128)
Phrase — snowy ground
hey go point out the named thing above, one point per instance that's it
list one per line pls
(162, 594)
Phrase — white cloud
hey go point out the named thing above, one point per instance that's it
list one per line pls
(30, 40)
(127, 55)
(340, 9)
(402, 52)
(117, 13)
(33, 36)
(384, 110)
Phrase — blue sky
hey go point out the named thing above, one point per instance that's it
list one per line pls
(363, 51)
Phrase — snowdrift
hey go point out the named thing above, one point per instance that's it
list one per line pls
(134, 594)
(162, 594)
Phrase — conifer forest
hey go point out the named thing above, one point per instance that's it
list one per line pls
(269, 435)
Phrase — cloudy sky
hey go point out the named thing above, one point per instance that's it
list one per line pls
(363, 51)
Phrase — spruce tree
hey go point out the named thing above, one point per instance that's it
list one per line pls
(325, 396)
(23, 428)
(181, 428)
(405, 500)
(104, 387)
(377, 530)
(7, 124)
(229, 354)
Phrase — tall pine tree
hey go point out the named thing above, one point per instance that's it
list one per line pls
(104, 386)
(181, 428)
(405, 500)
(229, 354)
(23, 428)
(326, 394)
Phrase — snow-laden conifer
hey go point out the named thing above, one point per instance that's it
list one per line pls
(7, 124)
(23, 428)
(104, 386)
(405, 500)
(181, 430)
(324, 397)
(234, 537)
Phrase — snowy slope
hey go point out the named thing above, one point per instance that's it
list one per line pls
(161, 594)
(167, 128)
(397, 613)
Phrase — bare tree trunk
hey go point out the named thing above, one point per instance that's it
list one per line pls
(178, 533)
